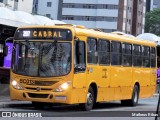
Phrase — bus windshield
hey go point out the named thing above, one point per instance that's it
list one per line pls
(41, 59)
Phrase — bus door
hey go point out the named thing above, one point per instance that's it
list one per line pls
(79, 81)
(98, 66)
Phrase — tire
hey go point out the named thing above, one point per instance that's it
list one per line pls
(38, 105)
(134, 100)
(90, 100)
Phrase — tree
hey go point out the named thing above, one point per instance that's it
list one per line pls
(152, 22)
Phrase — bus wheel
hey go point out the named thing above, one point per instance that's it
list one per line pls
(134, 100)
(38, 105)
(90, 101)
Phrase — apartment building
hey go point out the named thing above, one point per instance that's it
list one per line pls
(107, 15)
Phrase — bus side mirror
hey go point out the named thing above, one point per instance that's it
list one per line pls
(5, 53)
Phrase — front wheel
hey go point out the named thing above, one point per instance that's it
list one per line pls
(134, 100)
(89, 102)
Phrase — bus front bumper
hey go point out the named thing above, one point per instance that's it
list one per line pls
(39, 96)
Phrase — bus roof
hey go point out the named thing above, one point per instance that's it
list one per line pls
(112, 36)
(82, 31)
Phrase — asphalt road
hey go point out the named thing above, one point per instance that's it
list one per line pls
(104, 111)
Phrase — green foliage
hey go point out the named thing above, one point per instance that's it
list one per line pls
(152, 22)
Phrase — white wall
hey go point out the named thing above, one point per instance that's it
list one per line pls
(107, 13)
(25, 5)
(106, 25)
(88, 24)
(116, 2)
(43, 9)
(79, 12)
(81, 1)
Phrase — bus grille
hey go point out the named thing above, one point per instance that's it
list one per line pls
(42, 89)
(33, 95)
(44, 83)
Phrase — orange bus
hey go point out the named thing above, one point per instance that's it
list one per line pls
(71, 64)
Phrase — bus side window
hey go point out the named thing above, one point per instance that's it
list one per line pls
(116, 53)
(146, 56)
(79, 56)
(92, 51)
(137, 56)
(153, 57)
(127, 54)
(104, 52)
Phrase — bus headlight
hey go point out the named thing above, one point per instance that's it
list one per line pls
(16, 85)
(63, 87)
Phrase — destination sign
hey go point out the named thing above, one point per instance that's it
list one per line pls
(43, 33)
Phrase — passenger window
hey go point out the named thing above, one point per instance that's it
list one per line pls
(127, 54)
(92, 55)
(137, 55)
(104, 52)
(116, 53)
(146, 56)
(153, 57)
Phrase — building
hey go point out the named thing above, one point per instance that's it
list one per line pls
(49, 8)
(21, 5)
(152, 4)
(155, 4)
(108, 15)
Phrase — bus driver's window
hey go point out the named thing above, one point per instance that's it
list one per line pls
(79, 56)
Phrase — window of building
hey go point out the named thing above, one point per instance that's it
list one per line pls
(140, 1)
(104, 52)
(68, 18)
(48, 15)
(116, 53)
(49, 4)
(108, 30)
(92, 50)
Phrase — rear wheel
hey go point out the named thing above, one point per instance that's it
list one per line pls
(89, 102)
(134, 100)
